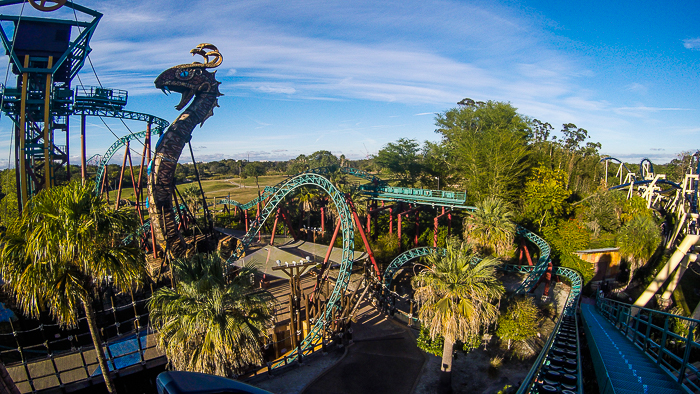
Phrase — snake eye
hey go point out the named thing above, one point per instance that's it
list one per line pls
(184, 74)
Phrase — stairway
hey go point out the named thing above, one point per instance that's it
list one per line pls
(620, 366)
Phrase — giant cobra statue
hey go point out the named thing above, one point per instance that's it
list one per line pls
(190, 80)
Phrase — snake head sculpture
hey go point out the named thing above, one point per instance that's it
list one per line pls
(192, 79)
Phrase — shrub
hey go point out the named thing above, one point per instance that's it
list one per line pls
(429, 345)
(520, 322)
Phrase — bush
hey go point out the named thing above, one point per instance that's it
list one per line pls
(429, 345)
(520, 322)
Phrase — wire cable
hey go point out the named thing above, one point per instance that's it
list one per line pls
(4, 86)
(113, 107)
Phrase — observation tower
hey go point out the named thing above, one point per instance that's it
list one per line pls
(45, 55)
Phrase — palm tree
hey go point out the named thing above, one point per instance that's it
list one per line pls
(489, 228)
(456, 293)
(638, 240)
(63, 246)
(306, 198)
(208, 325)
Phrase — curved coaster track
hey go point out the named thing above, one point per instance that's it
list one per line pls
(120, 143)
(568, 314)
(275, 194)
(315, 335)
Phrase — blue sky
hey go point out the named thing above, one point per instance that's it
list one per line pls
(350, 77)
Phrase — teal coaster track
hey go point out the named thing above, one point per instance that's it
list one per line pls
(315, 335)
(159, 123)
(314, 177)
(569, 312)
(534, 272)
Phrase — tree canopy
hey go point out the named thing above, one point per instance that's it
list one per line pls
(487, 144)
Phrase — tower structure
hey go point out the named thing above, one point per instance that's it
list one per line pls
(45, 55)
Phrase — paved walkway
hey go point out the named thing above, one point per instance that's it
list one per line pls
(384, 358)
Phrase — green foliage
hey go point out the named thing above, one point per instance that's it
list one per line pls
(254, 170)
(635, 206)
(456, 293)
(489, 228)
(8, 197)
(520, 322)
(208, 324)
(66, 242)
(487, 144)
(428, 344)
(427, 237)
(680, 326)
(567, 152)
(64, 245)
(505, 389)
(323, 158)
(638, 240)
(602, 211)
(401, 159)
(471, 343)
(386, 248)
(545, 194)
(565, 237)
(192, 197)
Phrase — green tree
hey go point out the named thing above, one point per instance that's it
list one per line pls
(520, 322)
(566, 237)
(603, 211)
(323, 158)
(488, 148)
(254, 170)
(208, 325)
(635, 206)
(300, 164)
(192, 198)
(456, 295)
(545, 194)
(64, 245)
(8, 197)
(402, 159)
(638, 240)
(438, 170)
(489, 228)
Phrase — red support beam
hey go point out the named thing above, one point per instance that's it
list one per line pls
(326, 260)
(288, 222)
(524, 252)
(358, 223)
(398, 227)
(323, 220)
(435, 222)
(274, 226)
(415, 237)
(121, 175)
(330, 246)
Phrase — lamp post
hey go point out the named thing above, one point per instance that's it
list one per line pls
(438, 179)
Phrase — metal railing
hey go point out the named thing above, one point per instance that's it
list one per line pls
(652, 332)
(535, 379)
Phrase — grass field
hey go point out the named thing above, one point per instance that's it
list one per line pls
(241, 190)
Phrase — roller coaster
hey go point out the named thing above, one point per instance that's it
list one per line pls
(43, 101)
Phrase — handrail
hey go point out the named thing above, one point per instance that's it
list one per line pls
(654, 339)
(569, 312)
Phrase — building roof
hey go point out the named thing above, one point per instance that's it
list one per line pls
(602, 250)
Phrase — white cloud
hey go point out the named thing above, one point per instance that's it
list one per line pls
(692, 43)
(637, 88)
(276, 89)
